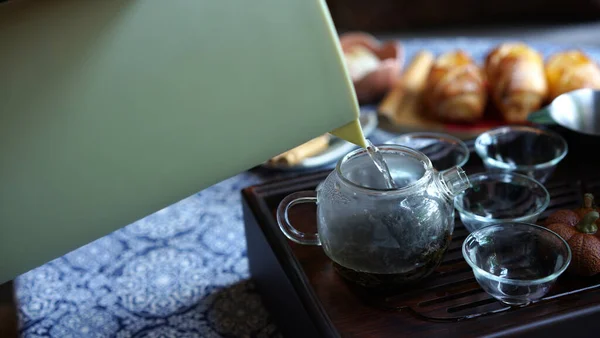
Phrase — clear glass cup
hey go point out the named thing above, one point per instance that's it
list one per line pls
(375, 236)
(501, 197)
(526, 150)
(516, 263)
(444, 151)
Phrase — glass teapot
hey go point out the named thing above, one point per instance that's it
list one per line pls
(376, 236)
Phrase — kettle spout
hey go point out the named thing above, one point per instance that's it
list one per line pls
(455, 181)
(351, 132)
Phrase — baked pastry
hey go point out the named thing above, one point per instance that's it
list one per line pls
(455, 89)
(570, 70)
(402, 104)
(373, 66)
(516, 80)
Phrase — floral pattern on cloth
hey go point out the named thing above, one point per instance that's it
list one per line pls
(180, 272)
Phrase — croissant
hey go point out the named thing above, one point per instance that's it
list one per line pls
(455, 88)
(570, 70)
(517, 83)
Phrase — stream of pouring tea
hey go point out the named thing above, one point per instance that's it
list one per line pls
(379, 162)
(383, 168)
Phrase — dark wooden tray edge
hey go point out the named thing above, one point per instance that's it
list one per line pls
(582, 323)
(289, 277)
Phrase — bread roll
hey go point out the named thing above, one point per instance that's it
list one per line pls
(516, 80)
(402, 104)
(455, 88)
(570, 70)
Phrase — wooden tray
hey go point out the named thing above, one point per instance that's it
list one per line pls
(308, 299)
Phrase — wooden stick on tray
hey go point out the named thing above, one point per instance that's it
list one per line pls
(402, 101)
(301, 152)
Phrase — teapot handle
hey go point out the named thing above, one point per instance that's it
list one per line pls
(284, 222)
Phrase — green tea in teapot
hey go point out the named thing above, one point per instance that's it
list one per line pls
(430, 257)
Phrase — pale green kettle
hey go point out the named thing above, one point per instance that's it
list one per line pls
(112, 110)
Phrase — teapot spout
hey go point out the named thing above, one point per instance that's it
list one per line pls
(456, 181)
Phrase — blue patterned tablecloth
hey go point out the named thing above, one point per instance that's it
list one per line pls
(181, 272)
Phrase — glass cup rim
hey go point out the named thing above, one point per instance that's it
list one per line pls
(479, 147)
(390, 148)
(440, 136)
(521, 282)
(476, 177)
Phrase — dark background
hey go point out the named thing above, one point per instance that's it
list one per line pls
(411, 15)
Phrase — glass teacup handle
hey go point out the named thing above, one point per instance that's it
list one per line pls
(284, 221)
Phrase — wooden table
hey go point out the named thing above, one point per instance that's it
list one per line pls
(8, 311)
